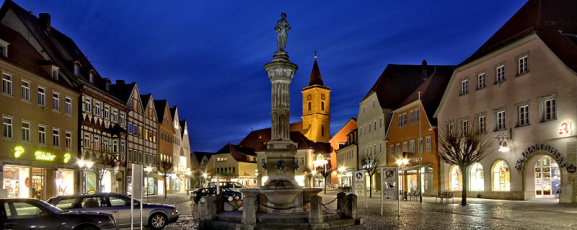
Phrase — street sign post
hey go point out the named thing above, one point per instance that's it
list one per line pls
(360, 183)
(389, 184)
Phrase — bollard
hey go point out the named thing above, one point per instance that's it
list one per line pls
(249, 212)
(210, 208)
(219, 201)
(316, 212)
(351, 207)
(341, 200)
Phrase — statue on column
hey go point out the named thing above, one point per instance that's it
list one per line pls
(281, 28)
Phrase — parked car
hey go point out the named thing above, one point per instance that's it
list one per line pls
(199, 195)
(156, 216)
(24, 213)
(234, 186)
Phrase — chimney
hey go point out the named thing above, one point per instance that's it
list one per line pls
(45, 21)
(424, 66)
(120, 82)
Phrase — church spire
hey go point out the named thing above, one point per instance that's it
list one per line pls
(316, 78)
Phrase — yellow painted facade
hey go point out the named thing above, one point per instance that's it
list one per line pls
(316, 113)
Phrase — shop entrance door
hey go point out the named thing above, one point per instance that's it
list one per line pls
(38, 183)
(547, 178)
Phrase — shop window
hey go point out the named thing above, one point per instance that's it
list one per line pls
(501, 176)
(15, 181)
(456, 178)
(476, 177)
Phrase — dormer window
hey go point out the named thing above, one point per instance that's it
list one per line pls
(91, 77)
(107, 84)
(76, 68)
(55, 72)
(4, 48)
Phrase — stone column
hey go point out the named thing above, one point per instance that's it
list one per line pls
(249, 212)
(351, 207)
(210, 208)
(316, 213)
(280, 149)
(341, 200)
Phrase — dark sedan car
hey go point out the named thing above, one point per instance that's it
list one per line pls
(156, 216)
(22, 213)
(199, 195)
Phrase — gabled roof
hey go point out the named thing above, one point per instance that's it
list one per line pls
(122, 90)
(160, 106)
(182, 126)
(145, 99)
(432, 91)
(200, 155)
(172, 112)
(316, 78)
(237, 152)
(258, 140)
(554, 21)
(397, 82)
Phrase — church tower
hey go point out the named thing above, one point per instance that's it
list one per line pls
(316, 107)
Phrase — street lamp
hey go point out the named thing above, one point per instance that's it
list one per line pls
(401, 162)
(147, 170)
(205, 175)
(188, 173)
(84, 167)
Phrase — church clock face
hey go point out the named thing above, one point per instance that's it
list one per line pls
(309, 97)
(322, 96)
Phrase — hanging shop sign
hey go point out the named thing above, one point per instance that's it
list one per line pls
(552, 151)
(565, 129)
(44, 156)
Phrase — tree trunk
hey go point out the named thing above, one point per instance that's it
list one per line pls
(465, 185)
(370, 186)
(165, 186)
(325, 185)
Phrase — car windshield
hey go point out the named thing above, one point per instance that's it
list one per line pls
(51, 207)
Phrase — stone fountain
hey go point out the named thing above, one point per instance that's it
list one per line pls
(281, 202)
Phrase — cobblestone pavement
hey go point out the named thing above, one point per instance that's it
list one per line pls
(478, 214)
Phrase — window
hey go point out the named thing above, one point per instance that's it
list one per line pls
(115, 115)
(420, 144)
(24, 210)
(500, 120)
(392, 150)
(322, 105)
(86, 141)
(4, 48)
(42, 134)
(6, 84)
(501, 176)
(122, 147)
(55, 101)
(464, 86)
(481, 81)
(26, 131)
(414, 116)
(68, 140)
(105, 144)
(323, 130)
(500, 73)
(122, 118)
(398, 152)
(115, 146)
(523, 64)
(96, 143)
(106, 112)
(402, 120)
(55, 137)
(450, 128)
(482, 123)
(77, 69)
(477, 178)
(405, 147)
(88, 105)
(55, 72)
(68, 106)
(7, 130)
(97, 108)
(548, 107)
(456, 178)
(25, 91)
(41, 96)
(412, 146)
(428, 144)
(91, 77)
(464, 126)
(523, 115)
(309, 105)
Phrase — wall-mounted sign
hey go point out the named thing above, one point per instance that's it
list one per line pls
(67, 157)
(565, 129)
(18, 151)
(504, 146)
(552, 151)
(44, 156)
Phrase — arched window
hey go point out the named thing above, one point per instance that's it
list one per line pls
(310, 105)
(456, 178)
(322, 105)
(476, 177)
(501, 176)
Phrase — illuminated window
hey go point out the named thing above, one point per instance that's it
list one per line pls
(456, 178)
(476, 177)
(96, 143)
(501, 176)
(55, 101)
(88, 105)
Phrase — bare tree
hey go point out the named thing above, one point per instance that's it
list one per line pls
(325, 171)
(371, 162)
(165, 168)
(463, 147)
(101, 166)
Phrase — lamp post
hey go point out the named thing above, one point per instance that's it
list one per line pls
(401, 162)
(187, 173)
(147, 170)
(84, 167)
(420, 149)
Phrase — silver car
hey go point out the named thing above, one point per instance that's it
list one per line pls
(156, 216)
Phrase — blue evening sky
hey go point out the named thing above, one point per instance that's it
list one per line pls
(207, 57)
